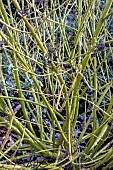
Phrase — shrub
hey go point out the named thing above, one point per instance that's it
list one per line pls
(56, 82)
